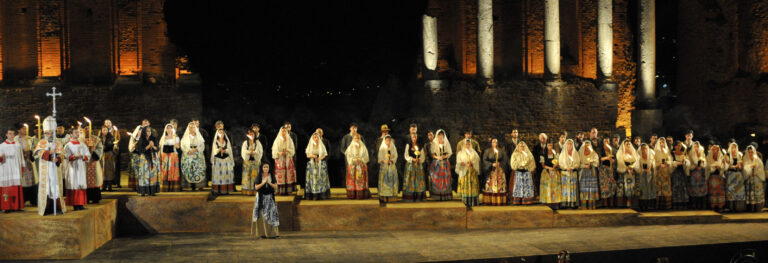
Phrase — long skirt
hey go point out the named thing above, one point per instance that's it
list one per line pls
(755, 191)
(440, 180)
(193, 167)
(468, 188)
(223, 175)
(550, 189)
(265, 221)
(110, 169)
(133, 173)
(626, 189)
(522, 193)
(607, 183)
(495, 189)
(647, 186)
(149, 173)
(357, 181)
(735, 194)
(716, 185)
(414, 186)
(697, 184)
(679, 188)
(93, 193)
(569, 183)
(169, 172)
(317, 184)
(663, 189)
(589, 188)
(250, 173)
(388, 182)
(285, 173)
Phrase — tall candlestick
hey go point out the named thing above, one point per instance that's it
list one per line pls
(90, 128)
(26, 130)
(39, 126)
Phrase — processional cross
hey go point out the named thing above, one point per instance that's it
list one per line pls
(53, 96)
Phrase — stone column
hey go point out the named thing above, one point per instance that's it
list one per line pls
(485, 41)
(552, 42)
(647, 118)
(646, 41)
(605, 44)
(429, 42)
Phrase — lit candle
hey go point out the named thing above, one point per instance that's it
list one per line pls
(26, 130)
(497, 154)
(90, 128)
(39, 126)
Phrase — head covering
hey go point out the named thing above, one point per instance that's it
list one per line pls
(187, 140)
(569, 160)
(588, 159)
(384, 127)
(162, 136)
(283, 144)
(522, 158)
(467, 155)
(626, 155)
(385, 148)
(661, 152)
(435, 145)
(753, 166)
(316, 148)
(356, 151)
(49, 124)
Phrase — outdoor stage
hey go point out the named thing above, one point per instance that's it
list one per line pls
(76, 234)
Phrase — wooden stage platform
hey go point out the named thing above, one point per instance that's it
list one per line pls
(76, 234)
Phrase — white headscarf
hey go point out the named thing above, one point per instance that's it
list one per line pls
(591, 159)
(662, 153)
(435, 145)
(316, 148)
(187, 140)
(467, 155)
(283, 144)
(753, 160)
(714, 164)
(258, 150)
(569, 161)
(522, 158)
(622, 157)
(733, 149)
(162, 137)
(383, 150)
(356, 151)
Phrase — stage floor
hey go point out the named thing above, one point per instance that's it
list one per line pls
(411, 246)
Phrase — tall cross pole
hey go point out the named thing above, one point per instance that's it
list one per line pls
(53, 96)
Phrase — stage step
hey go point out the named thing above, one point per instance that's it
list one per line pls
(679, 217)
(73, 235)
(597, 217)
(500, 217)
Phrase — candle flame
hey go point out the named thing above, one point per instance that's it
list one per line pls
(115, 127)
(37, 117)
(417, 148)
(249, 137)
(25, 125)
(79, 124)
(496, 150)
(129, 134)
(86, 119)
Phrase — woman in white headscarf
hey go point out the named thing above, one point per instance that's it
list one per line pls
(626, 188)
(754, 181)
(440, 170)
(569, 163)
(735, 194)
(468, 169)
(663, 167)
(317, 184)
(285, 170)
(716, 166)
(589, 188)
(251, 151)
(524, 165)
(696, 171)
(357, 169)
(169, 159)
(193, 160)
(645, 179)
(387, 156)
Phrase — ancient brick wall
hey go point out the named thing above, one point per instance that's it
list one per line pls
(90, 41)
(19, 40)
(723, 50)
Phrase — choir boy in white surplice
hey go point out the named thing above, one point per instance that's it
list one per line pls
(77, 155)
(11, 165)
